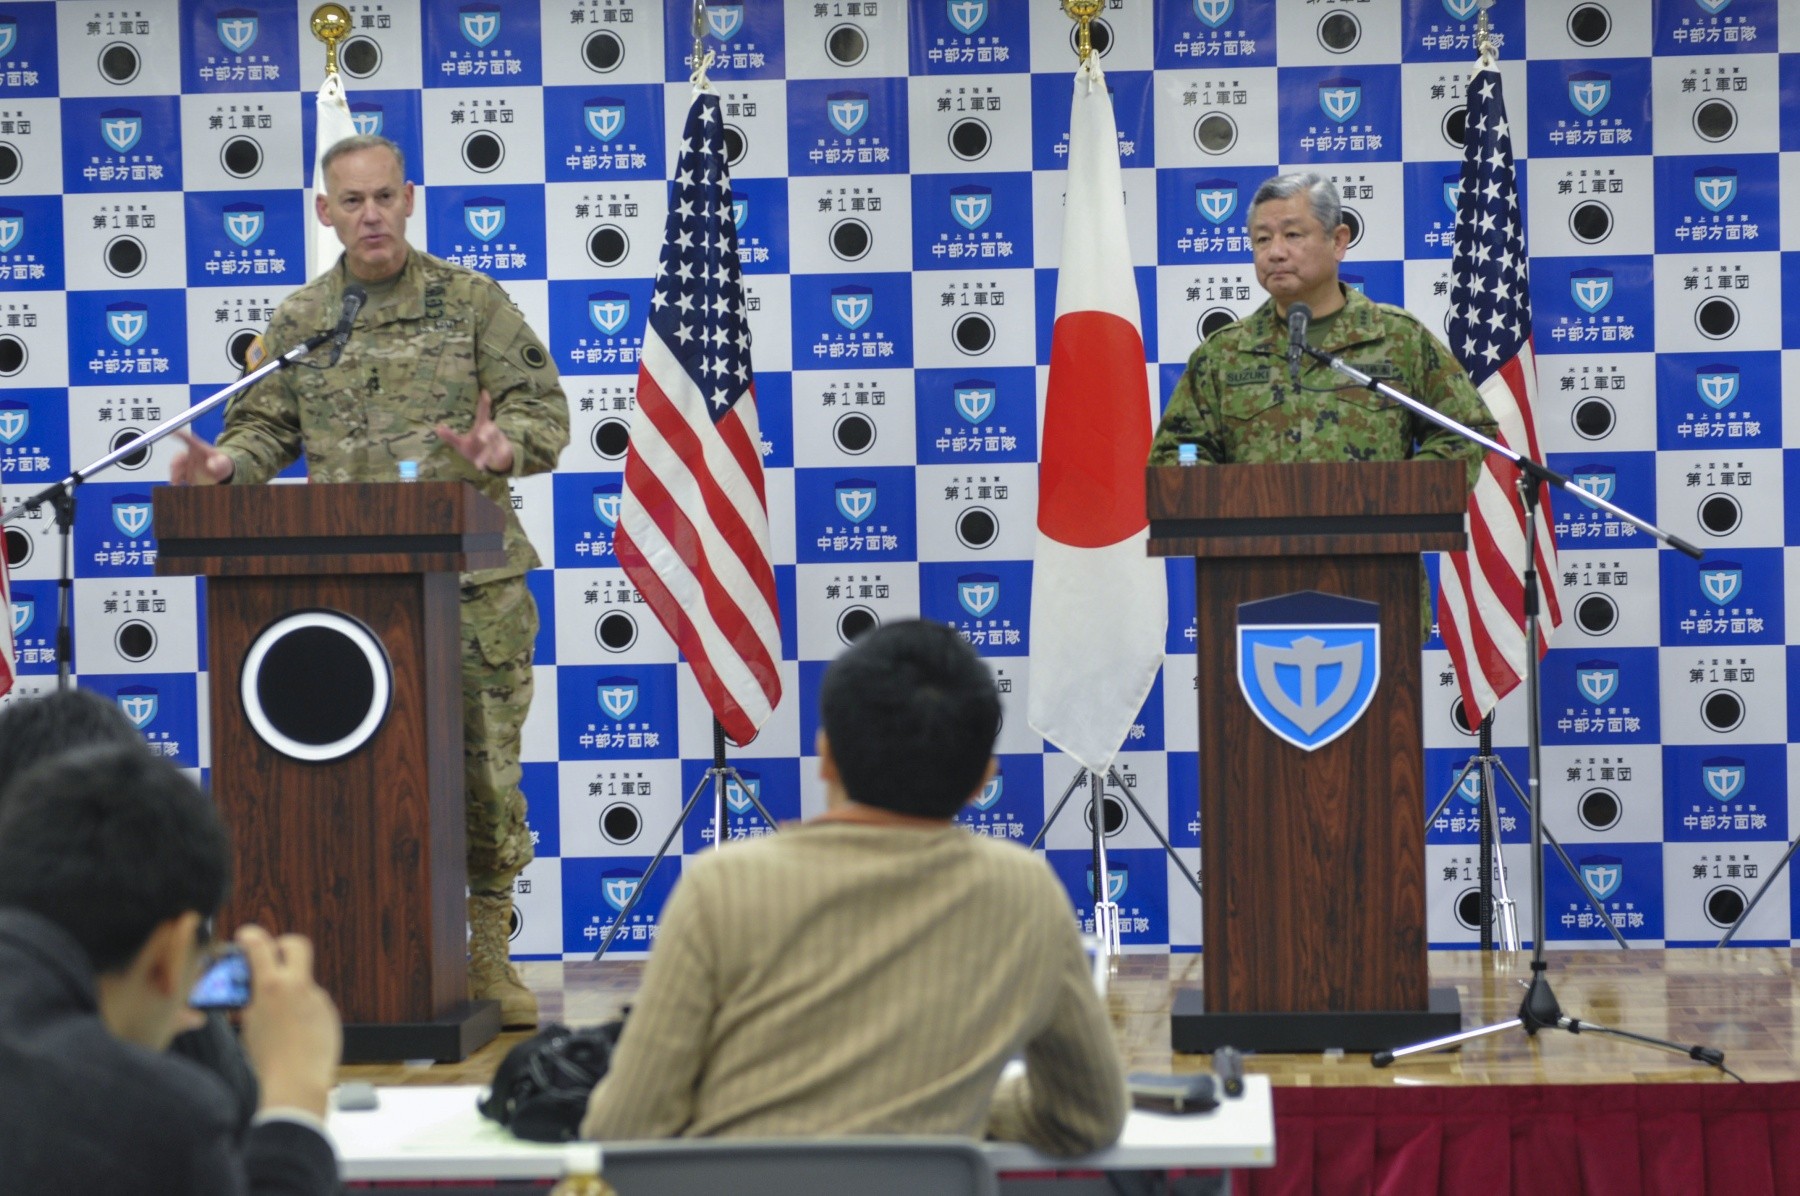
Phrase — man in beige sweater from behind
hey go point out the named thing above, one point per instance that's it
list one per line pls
(871, 970)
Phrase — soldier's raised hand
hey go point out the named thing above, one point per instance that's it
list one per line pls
(484, 445)
(199, 464)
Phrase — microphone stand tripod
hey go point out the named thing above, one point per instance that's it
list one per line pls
(1539, 1010)
(61, 494)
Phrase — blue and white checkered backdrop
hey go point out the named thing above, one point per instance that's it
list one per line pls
(152, 160)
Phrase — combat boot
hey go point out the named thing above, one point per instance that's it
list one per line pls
(491, 974)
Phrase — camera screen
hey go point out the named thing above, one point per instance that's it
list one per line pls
(225, 984)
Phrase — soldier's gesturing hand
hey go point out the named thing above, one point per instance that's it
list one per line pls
(199, 464)
(484, 445)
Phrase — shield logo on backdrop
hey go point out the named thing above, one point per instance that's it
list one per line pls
(967, 15)
(990, 793)
(367, 119)
(1452, 189)
(1213, 12)
(480, 23)
(740, 211)
(607, 501)
(972, 205)
(9, 37)
(724, 20)
(738, 795)
(12, 228)
(15, 421)
(24, 613)
(1461, 10)
(1216, 200)
(1722, 582)
(975, 399)
(851, 306)
(1340, 99)
(1592, 289)
(618, 697)
(1715, 187)
(1714, 7)
(140, 704)
(1598, 680)
(855, 499)
(1590, 91)
(1308, 663)
(1723, 777)
(237, 29)
(1117, 881)
(484, 217)
(1717, 384)
(131, 515)
(604, 117)
(1470, 788)
(847, 110)
(978, 593)
(608, 310)
(121, 127)
(126, 322)
(618, 887)
(1602, 874)
(1601, 481)
(244, 223)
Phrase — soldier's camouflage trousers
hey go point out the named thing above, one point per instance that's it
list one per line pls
(499, 627)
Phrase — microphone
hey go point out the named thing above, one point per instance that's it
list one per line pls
(1299, 315)
(354, 298)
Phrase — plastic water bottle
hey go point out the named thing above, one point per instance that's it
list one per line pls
(1186, 454)
(581, 1172)
(409, 471)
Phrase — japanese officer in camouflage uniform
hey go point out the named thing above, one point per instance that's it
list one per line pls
(1235, 401)
(442, 370)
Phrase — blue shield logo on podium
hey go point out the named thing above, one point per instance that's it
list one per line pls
(484, 217)
(1717, 385)
(480, 23)
(604, 117)
(967, 15)
(237, 29)
(975, 399)
(978, 593)
(618, 697)
(1723, 777)
(1216, 200)
(1601, 481)
(1722, 582)
(724, 20)
(367, 118)
(127, 322)
(618, 887)
(1117, 881)
(1308, 664)
(851, 306)
(1213, 13)
(1340, 99)
(9, 37)
(24, 613)
(1597, 681)
(608, 310)
(607, 501)
(847, 111)
(972, 205)
(121, 127)
(989, 795)
(1715, 187)
(15, 420)
(1590, 91)
(244, 223)
(12, 228)
(855, 499)
(742, 797)
(131, 515)
(1602, 874)
(140, 704)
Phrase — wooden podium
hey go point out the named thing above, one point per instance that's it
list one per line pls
(333, 639)
(1312, 859)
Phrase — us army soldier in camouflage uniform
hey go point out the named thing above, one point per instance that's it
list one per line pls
(1235, 400)
(443, 370)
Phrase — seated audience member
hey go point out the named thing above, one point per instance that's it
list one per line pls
(63, 720)
(871, 970)
(112, 864)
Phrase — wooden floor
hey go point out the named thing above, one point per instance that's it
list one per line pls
(1741, 1001)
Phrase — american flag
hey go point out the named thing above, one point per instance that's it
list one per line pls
(1481, 606)
(9, 660)
(693, 529)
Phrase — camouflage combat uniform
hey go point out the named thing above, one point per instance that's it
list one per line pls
(1235, 400)
(422, 350)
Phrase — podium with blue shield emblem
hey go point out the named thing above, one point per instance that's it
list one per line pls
(334, 650)
(1309, 628)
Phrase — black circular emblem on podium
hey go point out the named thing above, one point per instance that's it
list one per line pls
(316, 685)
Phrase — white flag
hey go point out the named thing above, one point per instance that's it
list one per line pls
(333, 123)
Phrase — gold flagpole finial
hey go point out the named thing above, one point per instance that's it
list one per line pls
(331, 25)
(1083, 12)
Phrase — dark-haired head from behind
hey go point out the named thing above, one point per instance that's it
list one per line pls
(109, 844)
(64, 720)
(911, 713)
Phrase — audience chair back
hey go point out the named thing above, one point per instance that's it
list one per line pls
(869, 1166)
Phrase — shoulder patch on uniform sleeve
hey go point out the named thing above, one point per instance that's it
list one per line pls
(255, 354)
(533, 357)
